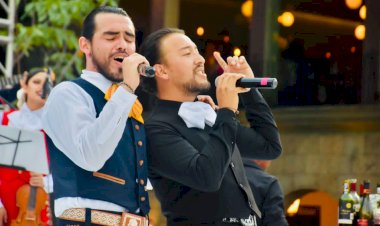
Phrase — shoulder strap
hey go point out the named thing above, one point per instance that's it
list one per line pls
(241, 178)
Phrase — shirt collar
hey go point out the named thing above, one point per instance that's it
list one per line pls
(197, 114)
(96, 79)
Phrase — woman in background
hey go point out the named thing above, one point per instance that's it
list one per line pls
(35, 87)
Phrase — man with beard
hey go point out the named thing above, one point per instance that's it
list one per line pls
(95, 129)
(194, 152)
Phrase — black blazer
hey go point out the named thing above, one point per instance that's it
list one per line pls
(192, 170)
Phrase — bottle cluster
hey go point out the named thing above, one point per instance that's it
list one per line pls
(361, 209)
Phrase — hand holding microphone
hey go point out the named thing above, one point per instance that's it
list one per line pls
(133, 67)
(240, 65)
(146, 71)
(227, 92)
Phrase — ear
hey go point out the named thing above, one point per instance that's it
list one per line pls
(84, 45)
(160, 71)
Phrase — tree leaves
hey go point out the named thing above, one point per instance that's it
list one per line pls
(54, 27)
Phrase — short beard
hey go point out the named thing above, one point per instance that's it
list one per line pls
(102, 70)
(195, 89)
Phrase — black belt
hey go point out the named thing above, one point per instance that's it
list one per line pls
(249, 221)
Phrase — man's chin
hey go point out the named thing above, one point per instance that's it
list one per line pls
(114, 77)
(200, 88)
(205, 86)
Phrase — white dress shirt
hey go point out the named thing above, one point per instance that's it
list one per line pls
(69, 118)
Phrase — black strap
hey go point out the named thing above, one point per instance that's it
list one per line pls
(241, 178)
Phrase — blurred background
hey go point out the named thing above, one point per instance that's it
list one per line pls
(324, 53)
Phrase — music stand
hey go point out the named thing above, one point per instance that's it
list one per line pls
(23, 149)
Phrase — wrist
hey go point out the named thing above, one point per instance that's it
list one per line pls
(127, 87)
(234, 110)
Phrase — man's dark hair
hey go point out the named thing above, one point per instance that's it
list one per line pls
(151, 49)
(89, 22)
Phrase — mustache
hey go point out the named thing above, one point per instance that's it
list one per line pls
(118, 53)
(198, 68)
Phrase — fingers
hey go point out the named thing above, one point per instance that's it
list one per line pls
(242, 60)
(34, 174)
(220, 61)
(3, 216)
(208, 100)
(36, 179)
(228, 80)
(236, 61)
(135, 59)
(131, 75)
(226, 91)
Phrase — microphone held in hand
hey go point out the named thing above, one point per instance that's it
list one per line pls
(146, 70)
(260, 83)
(48, 85)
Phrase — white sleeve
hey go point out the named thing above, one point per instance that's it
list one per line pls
(1, 204)
(69, 119)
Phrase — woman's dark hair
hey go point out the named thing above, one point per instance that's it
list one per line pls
(32, 73)
(89, 22)
(151, 49)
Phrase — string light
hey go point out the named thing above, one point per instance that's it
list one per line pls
(247, 8)
(200, 31)
(237, 52)
(286, 19)
(354, 4)
(363, 12)
(360, 32)
(328, 55)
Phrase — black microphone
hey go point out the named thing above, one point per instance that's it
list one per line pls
(260, 83)
(146, 70)
(47, 86)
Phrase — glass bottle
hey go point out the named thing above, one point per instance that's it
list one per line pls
(361, 188)
(356, 199)
(365, 212)
(376, 211)
(346, 202)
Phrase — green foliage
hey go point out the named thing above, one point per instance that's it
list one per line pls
(54, 26)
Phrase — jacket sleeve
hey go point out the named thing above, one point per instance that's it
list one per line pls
(261, 140)
(273, 206)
